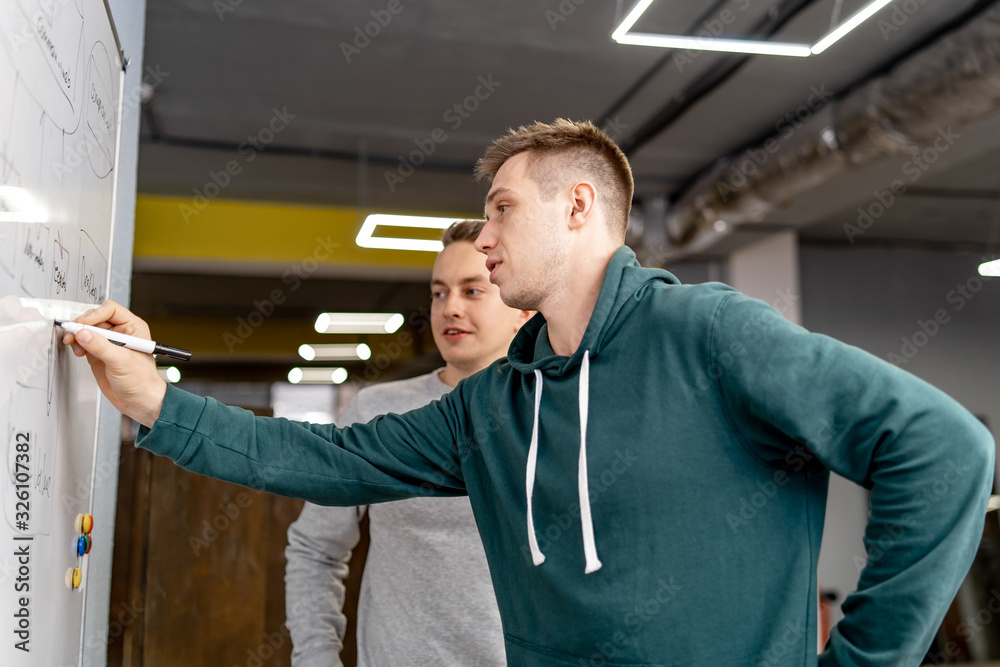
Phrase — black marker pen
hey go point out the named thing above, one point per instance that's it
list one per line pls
(131, 342)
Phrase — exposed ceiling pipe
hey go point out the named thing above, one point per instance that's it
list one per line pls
(950, 84)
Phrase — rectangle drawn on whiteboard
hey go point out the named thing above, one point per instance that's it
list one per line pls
(93, 271)
(33, 260)
(60, 269)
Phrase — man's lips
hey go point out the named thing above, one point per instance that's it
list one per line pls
(454, 333)
(491, 265)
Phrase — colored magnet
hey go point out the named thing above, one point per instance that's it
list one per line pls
(74, 577)
(83, 544)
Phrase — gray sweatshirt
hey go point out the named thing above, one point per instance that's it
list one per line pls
(426, 595)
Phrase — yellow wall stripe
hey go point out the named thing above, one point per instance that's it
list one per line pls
(244, 231)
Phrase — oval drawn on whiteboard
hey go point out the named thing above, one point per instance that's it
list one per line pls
(101, 112)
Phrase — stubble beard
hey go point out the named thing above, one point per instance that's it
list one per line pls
(529, 292)
(523, 300)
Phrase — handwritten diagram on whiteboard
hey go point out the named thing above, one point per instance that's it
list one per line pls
(61, 77)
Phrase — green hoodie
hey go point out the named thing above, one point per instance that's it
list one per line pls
(657, 498)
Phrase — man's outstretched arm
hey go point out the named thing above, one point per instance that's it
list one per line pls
(392, 457)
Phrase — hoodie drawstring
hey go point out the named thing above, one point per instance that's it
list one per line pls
(586, 521)
(593, 563)
(537, 557)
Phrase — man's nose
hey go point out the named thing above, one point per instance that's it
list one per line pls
(453, 305)
(485, 241)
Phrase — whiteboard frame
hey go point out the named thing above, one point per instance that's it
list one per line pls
(107, 281)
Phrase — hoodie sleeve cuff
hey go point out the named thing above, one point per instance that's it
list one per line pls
(178, 419)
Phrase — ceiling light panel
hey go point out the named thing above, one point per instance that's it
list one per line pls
(622, 35)
(366, 236)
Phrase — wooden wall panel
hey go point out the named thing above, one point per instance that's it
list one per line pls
(198, 571)
(206, 570)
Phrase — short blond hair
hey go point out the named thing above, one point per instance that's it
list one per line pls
(559, 151)
(462, 230)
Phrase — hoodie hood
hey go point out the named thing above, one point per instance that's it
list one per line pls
(624, 280)
(531, 353)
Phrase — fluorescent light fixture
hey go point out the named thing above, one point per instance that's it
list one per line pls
(336, 352)
(21, 206)
(366, 240)
(990, 268)
(716, 44)
(169, 374)
(993, 503)
(359, 323)
(757, 47)
(317, 375)
(630, 19)
(847, 26)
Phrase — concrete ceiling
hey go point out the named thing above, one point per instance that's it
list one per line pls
(332, 111)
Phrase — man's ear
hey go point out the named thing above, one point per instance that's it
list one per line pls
(524, 316)
(583, 202)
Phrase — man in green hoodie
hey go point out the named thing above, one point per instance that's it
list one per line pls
(606, 457)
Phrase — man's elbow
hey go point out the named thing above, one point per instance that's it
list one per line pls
(979, 449)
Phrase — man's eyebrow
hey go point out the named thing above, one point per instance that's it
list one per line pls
(463, 281)
(497, 193)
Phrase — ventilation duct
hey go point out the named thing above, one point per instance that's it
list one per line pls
(950, 84)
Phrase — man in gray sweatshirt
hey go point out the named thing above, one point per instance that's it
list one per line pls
(426, 596)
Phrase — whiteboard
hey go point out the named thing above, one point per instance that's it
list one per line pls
(61, 81)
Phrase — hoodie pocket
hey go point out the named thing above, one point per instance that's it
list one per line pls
(525, 654)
